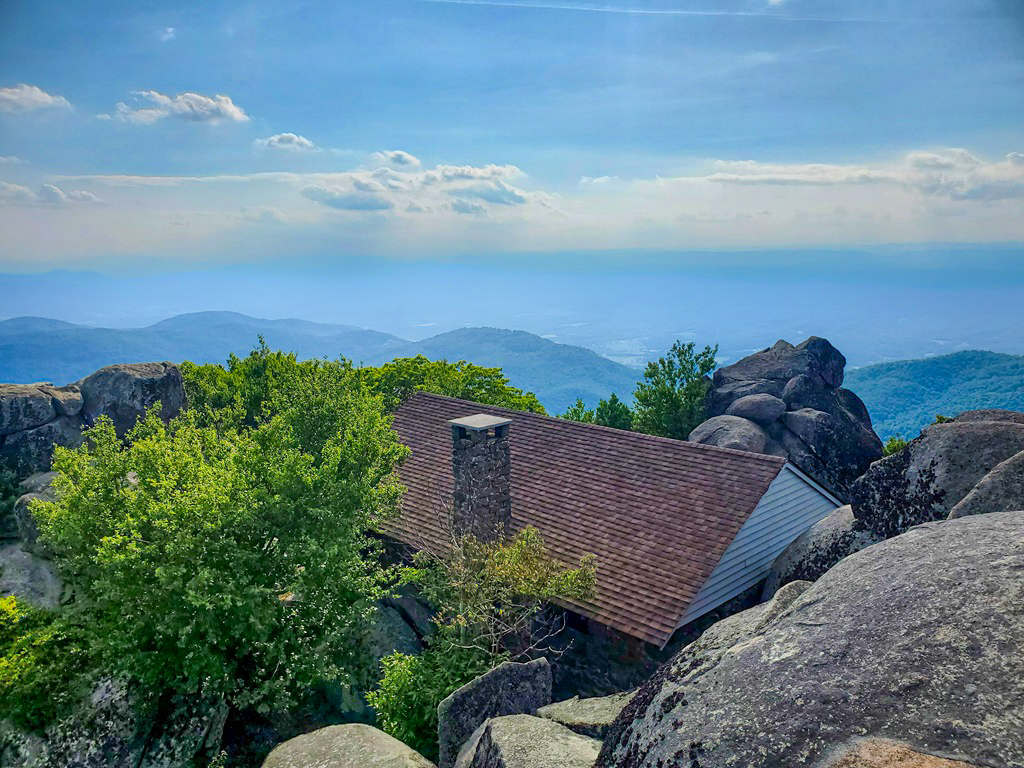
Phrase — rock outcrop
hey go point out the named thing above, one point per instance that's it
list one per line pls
(882, 753)
(508, 689)
(36, 417)
(589, 717)
(345, 746)
(788, 401)
(1000, 490)
(817, 549)
(522, 741)
(914, 639)
(936, 471)
(29, 577)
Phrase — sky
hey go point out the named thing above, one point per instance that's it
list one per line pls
(148, 137)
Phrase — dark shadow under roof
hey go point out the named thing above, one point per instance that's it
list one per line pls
(657, 513)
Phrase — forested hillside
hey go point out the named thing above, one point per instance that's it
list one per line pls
(37, 349)
(905, 396)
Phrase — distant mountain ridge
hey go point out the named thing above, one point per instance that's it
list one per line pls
(904, 396)
(38, 349)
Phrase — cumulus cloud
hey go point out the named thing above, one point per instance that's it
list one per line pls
(396, 158)
(168, 34)
(29, 98)
(188, 107)
(346, 200)
(819, 174)
(497, 192)
(288, 142)
(444, 173)
(47, 195)
(464, 206)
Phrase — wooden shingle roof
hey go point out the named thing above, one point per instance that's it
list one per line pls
(657, 513)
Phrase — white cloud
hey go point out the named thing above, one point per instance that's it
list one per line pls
(818, 174)
(464, 206)
(396, 158)
(11, 160)
(444, 173)
(346, 200)
(28, 98)
(168, 34)
(288, 142)
(48, 195)
(497, 192)
(188, 107)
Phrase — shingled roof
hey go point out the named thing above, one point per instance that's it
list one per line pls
(657, 513)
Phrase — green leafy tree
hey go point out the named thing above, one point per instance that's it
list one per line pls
(396, 380)
(613, 413)
(232, 563)
(670, 399)
(578, 412)
(490, 597)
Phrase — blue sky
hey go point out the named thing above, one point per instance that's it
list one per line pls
(150, 136)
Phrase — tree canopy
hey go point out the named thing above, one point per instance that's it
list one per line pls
(670, 399)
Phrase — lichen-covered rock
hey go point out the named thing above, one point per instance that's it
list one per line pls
(522, 741)
(929, 477)
(913, 639)
(1000, 490)
(730, 432)
(28, 577)
(124, 392)
(763, 408)
(27, 527)
(882, 753)
(24, 406)
(345, 746)
(31, 450)
(508, 689)
(589, 717)
(817, 549)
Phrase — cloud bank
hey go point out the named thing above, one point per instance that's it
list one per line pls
(188, 107)
(29, 98)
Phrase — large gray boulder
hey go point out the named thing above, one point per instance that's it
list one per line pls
(730, 432)
(124, 392)
(36, 417)
(41, 489)
(763, 408)
(29, 577)
(345, 746)
(589, 717)
(522, 741)
(817, 549)
(795, 394)
(914, 639)
(1000, 490)
(937, 470)
(508, 689)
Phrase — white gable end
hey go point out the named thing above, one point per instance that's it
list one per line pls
(791, 505)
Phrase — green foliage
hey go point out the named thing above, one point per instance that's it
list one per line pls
(401, 377)
(903, 397)
(940, 419)
(894, 444)
(489, 596)
(44, 664)
(231, 562)
(578, 412)
(614, 413)
(670, 399)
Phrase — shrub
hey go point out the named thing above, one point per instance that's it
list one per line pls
(894, 444)
(670, 399)
(44, 664)
(226, 562)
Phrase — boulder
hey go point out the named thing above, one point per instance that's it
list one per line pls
(124, 392)
(345, 746)
(830, 438)
(1000, 490)
(28, 577)
(31, 450)
(730, 432)
(991, 414)
(817, 549)
(882, 753)
(764, 409)
(24, 407)
(913, 639)
(508, 689)
(929, 477)
(522, 741)
(28, 529)
(589, 717)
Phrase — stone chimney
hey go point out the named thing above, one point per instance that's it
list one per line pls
(480, 464)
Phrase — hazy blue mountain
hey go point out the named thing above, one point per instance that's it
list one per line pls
(37, 349)
(905, 396)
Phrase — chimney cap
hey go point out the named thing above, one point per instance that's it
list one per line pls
(480, 422)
